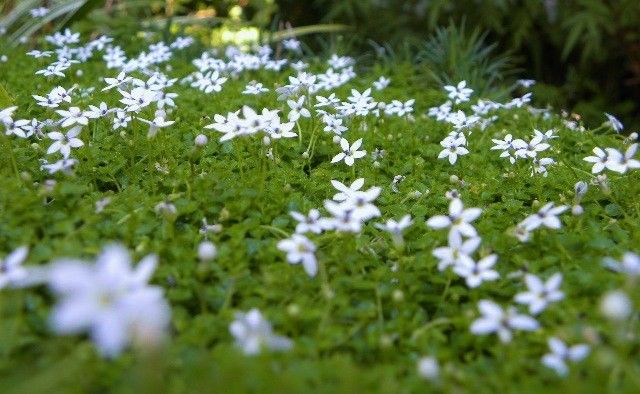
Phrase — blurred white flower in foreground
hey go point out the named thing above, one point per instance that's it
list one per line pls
(253, 332)
(616, 305)
(477, 272)
(110, 300)
(12, 273)
(630, 264)
(495, 319)
(300, 249)
(547, 216)
(540, 294)
(428, 368)
(560, 353)
(396, 228)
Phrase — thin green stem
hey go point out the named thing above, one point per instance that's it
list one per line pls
(12, 156)
(299, 132)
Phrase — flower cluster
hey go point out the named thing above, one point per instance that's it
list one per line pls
(349, 210)
(457, 254)
(515, 149)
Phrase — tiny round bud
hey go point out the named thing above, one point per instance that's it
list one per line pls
(376, 164)
(79, 73)
(398, 296)
(141, 247)
(293, 310)
(577, 210)
(166, 209)
(336, 139)
(207, 251)
(266, 140)
(454, 179)
(49, 185)
(201, 140)
(616, 305)
(328, 292)
(4, 58)
(224, 214)
(26, 176)
(305, 154)
(386, 341)
(428, 368)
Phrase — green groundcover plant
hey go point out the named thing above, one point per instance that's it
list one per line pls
(181, 220)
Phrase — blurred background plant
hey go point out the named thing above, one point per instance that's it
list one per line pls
(585, 54)
(453, 54)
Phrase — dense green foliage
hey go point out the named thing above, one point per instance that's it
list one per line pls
(374, 310)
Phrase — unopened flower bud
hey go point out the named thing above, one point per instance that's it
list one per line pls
(577, 210)
(293, 310)
(398, 296)
(616, 305)
(201, 140)
(207, 251)
(386, 341)
(581, 189)
(428, 368)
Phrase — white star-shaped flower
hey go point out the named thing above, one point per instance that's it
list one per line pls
(540, 294)
(495, 320)
(64, 142)
(561, 353)
(349, 152)
(300, 249)
(459, 219)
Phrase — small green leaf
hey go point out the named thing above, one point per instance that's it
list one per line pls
(5, 98)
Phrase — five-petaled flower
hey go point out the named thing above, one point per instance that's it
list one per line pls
(349, 152)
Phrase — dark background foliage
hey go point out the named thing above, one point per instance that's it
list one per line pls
(585, 54)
